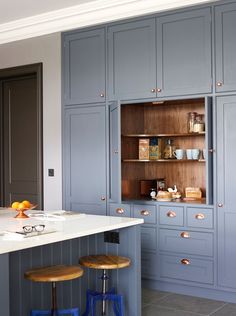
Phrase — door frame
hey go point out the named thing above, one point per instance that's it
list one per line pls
(14, 72)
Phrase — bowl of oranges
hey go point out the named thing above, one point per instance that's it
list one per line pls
(21, 207)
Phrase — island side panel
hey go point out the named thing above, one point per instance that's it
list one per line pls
(4, 285)
(73, 293)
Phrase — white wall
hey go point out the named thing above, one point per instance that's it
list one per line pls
(45, 49)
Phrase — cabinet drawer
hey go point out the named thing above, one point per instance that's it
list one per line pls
(186, 242)
(147, 212)
(186, 269)
(149, 265)
(148, 238)
(120, 210)
(172, 215)
(202, 218)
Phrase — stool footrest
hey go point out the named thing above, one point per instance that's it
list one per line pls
(71, 311)
(94, 296)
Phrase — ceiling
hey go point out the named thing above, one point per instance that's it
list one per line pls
(11, 10)
(21, 19)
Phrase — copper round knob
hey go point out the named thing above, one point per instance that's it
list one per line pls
(219, 84)
(153, 90)
(103, 198)
(158, 89)
(102, 95)
(220, 205)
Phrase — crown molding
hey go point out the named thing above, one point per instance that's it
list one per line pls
(87, 14)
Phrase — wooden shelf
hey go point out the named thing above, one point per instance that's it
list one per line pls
(165, 135)
(165, 160)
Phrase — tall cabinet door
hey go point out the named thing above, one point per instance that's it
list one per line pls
(115, 153)
(131, 60)
(184, 53)
(226, 179)
(84, 67)
(225, 47)
(85, 160)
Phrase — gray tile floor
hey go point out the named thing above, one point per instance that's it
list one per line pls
(157, 303)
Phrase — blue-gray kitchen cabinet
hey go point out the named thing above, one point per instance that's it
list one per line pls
(85, 160)
(132, 60)
(184, 53)
(225, 47)
(226, 179)
(84, 67)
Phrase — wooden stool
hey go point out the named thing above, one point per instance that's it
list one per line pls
(104, 262)
(54, 274)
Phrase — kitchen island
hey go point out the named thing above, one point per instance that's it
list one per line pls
(66, 237)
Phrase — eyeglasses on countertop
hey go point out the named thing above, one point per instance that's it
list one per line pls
(37, 228)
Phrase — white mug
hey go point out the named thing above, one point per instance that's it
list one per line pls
(179, 153)
(204, 153)
(195, 153)
(189, 153)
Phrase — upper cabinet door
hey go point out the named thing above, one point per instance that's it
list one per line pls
(84, 67)
(225, 46)
(132, 60)
(184, 53)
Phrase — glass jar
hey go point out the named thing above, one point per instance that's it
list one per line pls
(199, 125)
(191, 121)
(153, 193)
(169, 150)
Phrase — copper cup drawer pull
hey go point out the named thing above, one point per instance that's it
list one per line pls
(200, 216)
(185, 261)
(144, 213)
(120, 210)
(171, 214)
(185, 235)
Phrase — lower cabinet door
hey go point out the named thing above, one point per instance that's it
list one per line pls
(148, 238)
(149, 265)
(186, 269)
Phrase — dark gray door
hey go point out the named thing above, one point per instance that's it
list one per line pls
(226, 179)
(225, 46)
(84, 67)
(184, 53)
(85, 160)
(115, 153)
(131, 60)
(20, 140)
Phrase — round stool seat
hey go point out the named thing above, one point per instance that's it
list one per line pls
(105, 262)
(54, 273)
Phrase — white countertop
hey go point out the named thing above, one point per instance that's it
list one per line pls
(57, 228)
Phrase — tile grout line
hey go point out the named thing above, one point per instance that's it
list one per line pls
(212, 313)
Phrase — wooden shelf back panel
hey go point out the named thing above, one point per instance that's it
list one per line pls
(170, 117)
(132, 119)
(183, 175)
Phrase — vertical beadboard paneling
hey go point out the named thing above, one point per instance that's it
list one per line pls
(26, 294)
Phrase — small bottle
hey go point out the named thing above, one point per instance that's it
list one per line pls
(191, 121)
(169, 150)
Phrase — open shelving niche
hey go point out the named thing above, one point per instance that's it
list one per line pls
(163, 120)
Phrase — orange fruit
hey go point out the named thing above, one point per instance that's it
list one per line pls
(15, 205)
(21, 207)
(26, 203)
